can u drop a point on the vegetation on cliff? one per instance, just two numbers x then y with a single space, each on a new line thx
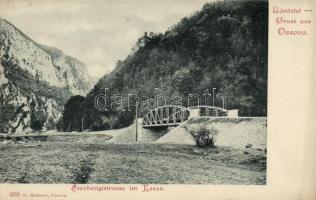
223 46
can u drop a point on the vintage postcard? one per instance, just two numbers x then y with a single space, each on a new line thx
180 99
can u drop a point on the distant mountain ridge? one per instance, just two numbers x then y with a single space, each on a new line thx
35 81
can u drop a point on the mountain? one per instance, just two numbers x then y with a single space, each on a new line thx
222 46
35 81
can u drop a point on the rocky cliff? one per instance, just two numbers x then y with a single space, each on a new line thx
35 82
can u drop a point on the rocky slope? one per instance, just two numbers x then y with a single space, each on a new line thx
35 82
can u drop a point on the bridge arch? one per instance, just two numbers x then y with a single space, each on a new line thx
172 115
169 115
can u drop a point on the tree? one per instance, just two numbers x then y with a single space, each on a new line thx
38 118
73 114
6 112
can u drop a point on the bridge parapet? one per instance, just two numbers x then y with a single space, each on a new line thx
171 115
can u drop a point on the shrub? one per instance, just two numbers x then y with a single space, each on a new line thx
205 137
38 119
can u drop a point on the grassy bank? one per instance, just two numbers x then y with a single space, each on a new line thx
89 159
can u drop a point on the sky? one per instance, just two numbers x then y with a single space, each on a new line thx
96 32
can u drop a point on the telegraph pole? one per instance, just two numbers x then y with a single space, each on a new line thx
81 124
213 99
68 128
136 121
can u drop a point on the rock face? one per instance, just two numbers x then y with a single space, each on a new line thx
35 82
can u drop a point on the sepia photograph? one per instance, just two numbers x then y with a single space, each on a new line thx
134 92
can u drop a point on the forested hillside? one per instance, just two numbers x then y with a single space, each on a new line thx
223 46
